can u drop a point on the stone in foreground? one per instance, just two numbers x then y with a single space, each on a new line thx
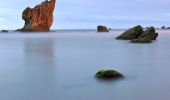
132 33
39 18
101 28
108 74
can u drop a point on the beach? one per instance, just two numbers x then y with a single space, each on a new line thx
62 65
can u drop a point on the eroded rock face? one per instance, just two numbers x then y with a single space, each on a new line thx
101 28
131 33
39 18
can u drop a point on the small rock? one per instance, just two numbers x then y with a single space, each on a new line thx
101 28
108 74
18 30
5 31
110 29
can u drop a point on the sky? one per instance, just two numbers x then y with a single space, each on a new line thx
87 14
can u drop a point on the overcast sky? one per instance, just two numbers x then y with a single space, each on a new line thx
85 14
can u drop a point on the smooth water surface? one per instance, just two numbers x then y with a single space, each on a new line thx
62 67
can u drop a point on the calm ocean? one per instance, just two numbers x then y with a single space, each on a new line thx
61 66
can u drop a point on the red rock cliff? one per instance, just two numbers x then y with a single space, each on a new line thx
39 18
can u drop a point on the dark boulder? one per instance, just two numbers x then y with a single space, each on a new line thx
137 35
108 74
149 33
4 31
132 33
146 37
101 28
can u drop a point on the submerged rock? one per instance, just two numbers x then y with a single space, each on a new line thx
39 18
108 74
132 33
101 28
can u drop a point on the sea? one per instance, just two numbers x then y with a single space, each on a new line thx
60 65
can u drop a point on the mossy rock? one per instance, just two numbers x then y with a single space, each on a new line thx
108 74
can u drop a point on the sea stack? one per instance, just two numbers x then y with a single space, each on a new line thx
39 18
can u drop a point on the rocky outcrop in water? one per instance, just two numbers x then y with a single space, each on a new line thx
131 33
137 35
39 18
147 36
101 28
108 74
4 31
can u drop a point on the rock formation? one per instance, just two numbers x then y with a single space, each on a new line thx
137 35
132 33
147 36
101 28
108 74
39 18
